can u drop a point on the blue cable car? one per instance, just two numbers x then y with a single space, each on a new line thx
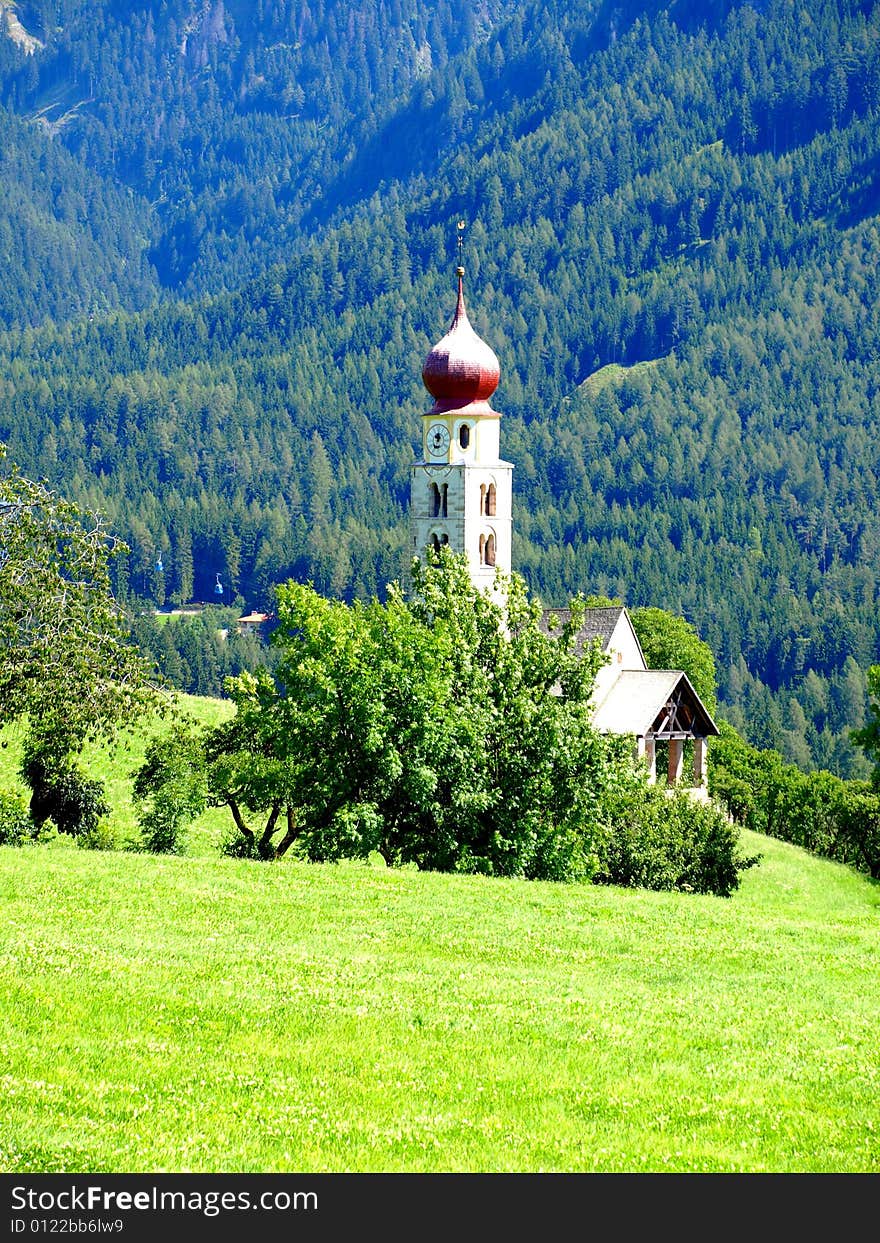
218 589
159 566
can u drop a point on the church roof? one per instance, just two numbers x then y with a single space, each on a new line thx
461 369
598 623
658 701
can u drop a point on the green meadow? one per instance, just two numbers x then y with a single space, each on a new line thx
208 1014
115 764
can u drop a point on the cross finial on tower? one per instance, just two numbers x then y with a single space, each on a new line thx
461 248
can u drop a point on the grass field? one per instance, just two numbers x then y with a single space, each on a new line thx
205 1014
114 766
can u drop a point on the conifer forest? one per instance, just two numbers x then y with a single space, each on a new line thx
229 239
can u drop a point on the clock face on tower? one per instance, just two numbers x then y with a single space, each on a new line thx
438 440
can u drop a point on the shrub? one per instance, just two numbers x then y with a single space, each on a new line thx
858 820
735 796
61 793
169 789
818 811
98 836
669 841
16 825
236 846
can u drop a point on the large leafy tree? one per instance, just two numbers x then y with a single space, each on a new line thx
65 658
670 642
539 776
438 730
253 768
445 730
66 665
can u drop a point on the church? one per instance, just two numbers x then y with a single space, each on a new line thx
461 496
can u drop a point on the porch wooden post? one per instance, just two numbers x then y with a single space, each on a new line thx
676 758
650 752
700 757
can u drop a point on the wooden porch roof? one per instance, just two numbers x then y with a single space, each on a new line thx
658 703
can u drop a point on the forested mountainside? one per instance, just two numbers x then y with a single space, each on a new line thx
672 245
229 120
71 242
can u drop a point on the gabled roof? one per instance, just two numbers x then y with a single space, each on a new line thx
598 623
637 703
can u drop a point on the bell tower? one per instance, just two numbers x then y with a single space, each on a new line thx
461 490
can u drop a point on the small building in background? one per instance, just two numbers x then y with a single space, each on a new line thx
253 623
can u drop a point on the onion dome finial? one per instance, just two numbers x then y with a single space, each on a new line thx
461 368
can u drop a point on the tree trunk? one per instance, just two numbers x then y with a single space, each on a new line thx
290 836
265 847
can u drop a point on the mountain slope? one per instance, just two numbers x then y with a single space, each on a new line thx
229 120
642 184
71 242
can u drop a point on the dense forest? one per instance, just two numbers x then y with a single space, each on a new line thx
229 243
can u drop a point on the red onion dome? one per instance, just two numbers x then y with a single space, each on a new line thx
461 368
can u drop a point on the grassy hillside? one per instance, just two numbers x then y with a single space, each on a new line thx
202 1014
116 764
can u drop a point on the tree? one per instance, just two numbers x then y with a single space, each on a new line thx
433 730
868 738
858 823
61 792
670 642
536 783
446 731
65 660
254 768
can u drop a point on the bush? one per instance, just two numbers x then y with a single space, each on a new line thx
16 825
735 796
818 811
169 789
98 836
236 846
858 820
663 841
61 793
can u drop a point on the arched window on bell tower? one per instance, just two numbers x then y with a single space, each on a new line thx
464 435
444 504
490 550
482 498
434 493
482 550
491 501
